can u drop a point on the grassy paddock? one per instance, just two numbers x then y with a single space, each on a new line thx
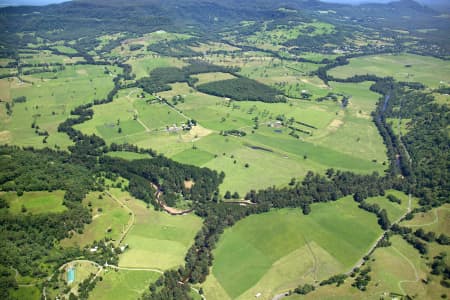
36 202
107 214
403 67
157 239
123 284
394 210
50 98
128 155
263 252
26 292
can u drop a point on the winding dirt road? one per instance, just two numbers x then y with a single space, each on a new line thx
371 249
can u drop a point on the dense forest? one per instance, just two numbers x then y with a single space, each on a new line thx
242 89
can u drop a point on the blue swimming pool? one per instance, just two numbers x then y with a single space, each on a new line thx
70 275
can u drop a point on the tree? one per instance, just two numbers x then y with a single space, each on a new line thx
305 289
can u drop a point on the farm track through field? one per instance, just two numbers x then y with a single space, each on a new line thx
136 269
315 260
22 284
132 214
136 112
436 219
370 251
412 266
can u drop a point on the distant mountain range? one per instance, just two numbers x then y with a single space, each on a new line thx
430 3
436 4
29 2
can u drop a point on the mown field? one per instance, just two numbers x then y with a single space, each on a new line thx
35 202
109 219
330 145
157 240
394 210
403 67
399 268
123 284
49 99
276 251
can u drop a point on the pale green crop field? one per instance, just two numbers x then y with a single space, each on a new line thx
157 239
275 251
398 268
427 70
36 202
123 284
283 33
65 49
109 219
49 102
128 155
143 66
394 210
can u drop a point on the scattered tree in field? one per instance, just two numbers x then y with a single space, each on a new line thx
304 289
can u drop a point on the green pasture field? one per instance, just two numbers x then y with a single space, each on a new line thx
356 146
427 70
123 284
352 131
153 118
5 61
49 102
157 239
394 210
436 220
26 292
393 271
400 127
65 49
398 268
128 155
345 138
210 77
46 57
317 56
194 157
106 214
212 47
284 33
145 40
290 77
275 251
5 91
36 202
105 39
143 66
8 71
443 99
